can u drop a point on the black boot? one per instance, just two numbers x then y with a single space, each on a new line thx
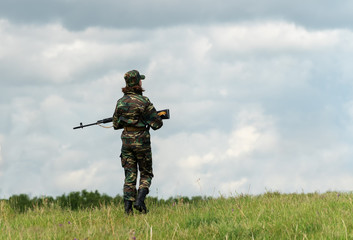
140 201
128 207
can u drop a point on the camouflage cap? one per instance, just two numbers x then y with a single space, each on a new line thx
133 78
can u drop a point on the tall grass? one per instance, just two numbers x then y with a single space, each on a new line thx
268 216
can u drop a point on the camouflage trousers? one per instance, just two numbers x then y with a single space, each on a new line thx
136 156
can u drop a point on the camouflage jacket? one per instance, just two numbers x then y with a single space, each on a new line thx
135 110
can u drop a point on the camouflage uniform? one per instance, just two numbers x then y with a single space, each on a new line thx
136 114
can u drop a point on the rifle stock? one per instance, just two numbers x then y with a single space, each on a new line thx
164 114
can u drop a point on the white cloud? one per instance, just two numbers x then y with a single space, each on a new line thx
157 14
242 141
1 161
253 157
230 188
212 160
253 105
271 36
92 177
51 53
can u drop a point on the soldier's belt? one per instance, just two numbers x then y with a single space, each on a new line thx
134 129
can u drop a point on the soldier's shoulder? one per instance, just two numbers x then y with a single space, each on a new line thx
146 99
142 98
121 99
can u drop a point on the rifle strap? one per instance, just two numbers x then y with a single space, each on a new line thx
105 126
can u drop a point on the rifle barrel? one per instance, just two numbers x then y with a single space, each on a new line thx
87 125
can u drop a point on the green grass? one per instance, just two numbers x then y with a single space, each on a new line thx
268 216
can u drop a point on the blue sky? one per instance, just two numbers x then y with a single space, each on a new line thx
260 95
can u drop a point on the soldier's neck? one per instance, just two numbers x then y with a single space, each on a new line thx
135 92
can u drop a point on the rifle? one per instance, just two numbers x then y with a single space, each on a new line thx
164 114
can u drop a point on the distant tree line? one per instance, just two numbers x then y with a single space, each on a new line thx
85 200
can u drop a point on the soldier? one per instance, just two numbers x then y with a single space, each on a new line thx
136 114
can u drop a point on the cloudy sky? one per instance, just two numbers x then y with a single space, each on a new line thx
260 94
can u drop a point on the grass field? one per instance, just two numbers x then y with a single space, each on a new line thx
268 216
